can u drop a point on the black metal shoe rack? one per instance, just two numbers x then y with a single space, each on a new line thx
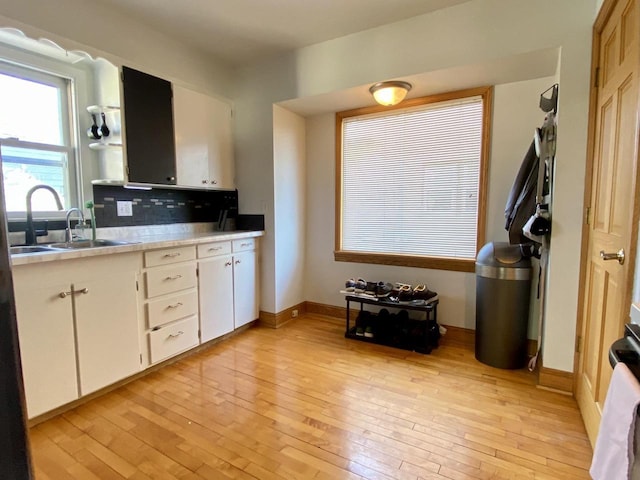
395 330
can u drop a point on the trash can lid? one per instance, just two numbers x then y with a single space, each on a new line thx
503 260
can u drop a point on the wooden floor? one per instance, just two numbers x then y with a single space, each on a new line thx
303 402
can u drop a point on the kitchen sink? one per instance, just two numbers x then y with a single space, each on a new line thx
22 249
79 244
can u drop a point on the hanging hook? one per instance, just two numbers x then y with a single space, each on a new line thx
548 104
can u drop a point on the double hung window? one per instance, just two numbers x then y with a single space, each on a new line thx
411 181
35 137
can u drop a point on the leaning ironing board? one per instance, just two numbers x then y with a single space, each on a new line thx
539 226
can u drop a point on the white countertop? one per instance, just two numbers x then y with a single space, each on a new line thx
144 242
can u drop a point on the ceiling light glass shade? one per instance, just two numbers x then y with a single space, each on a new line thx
390 93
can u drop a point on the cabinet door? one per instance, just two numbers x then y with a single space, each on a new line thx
107 329
216 297
148 125
221 163
47 344
204 146
245 287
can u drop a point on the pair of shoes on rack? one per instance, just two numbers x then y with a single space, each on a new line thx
378 290
404 292
355 286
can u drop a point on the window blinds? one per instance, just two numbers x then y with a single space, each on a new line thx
410 180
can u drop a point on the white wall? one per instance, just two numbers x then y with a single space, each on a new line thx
481 31
515 116
289 200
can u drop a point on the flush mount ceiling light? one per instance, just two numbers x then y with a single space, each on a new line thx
390 93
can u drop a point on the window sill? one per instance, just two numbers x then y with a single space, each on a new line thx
435 263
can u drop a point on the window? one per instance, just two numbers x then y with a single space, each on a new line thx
35 137
411 181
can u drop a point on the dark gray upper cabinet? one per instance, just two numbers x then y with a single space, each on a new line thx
148 120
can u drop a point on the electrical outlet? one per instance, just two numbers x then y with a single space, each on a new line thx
294 313
125 209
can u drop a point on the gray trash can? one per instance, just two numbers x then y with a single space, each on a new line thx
503 284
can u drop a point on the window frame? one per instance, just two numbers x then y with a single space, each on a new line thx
422 261
77 81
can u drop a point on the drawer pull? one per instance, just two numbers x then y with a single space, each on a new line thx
215 249
245 245
171 255
237 262
175 305
175 277
64 294
174 335
227 264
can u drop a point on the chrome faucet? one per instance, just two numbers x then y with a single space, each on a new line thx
30 232
68 237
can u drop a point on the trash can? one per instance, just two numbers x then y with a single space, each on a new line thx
503 284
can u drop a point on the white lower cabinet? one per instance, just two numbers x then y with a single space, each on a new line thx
84 324
245 287
171 302
216 296
107 329
77 326
228 286
47 343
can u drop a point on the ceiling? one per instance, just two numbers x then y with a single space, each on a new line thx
241 31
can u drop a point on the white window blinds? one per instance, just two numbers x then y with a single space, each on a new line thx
410 180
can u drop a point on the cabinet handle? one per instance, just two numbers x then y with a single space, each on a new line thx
175 305
175 335
237 262
214 182
175 277
245 245
227 264
75 292
171 179
215 249
171 255
204 182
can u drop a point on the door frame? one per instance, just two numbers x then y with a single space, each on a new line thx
603 15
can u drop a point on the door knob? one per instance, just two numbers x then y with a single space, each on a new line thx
619 255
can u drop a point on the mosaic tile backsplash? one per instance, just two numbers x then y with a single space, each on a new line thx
162 206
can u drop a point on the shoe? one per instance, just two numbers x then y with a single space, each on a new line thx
359 331
421 292
406 293
383 289
361 285
368 332
370 288
350 285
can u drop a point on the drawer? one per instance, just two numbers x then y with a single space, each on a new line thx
213 249
173 339
169 255
170 279
168 309
244 244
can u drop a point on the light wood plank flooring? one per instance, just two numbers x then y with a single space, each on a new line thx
303 402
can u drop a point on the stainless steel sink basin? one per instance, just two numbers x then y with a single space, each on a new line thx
29 249
89 244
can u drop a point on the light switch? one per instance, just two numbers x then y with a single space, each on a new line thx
125 208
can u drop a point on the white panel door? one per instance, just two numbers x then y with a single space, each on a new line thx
47 343
245 287
216 297
107 328
204 143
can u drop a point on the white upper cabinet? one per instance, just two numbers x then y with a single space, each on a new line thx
204 143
